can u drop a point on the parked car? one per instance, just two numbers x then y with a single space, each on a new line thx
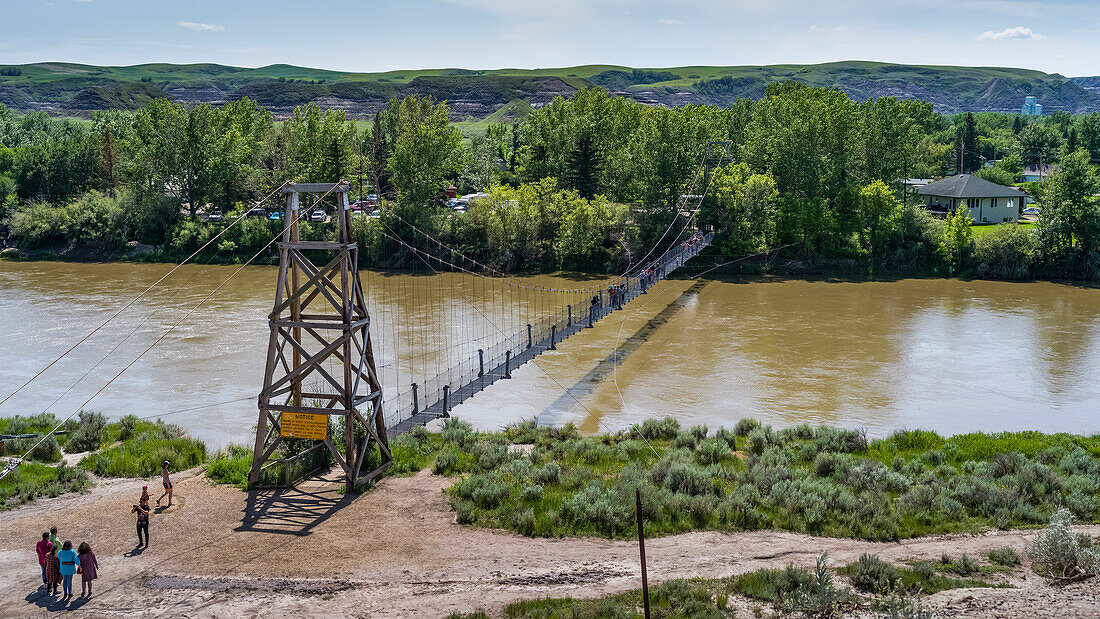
1031 210
256 212
318 216
275 216
216 216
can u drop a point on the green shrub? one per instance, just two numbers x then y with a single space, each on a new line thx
873 575
446 461
532 493
31 480
231 466
686 440
88 435
141 456
548 474
660 429
1005 556
525 522
45 450
745 426
1060 552
126 426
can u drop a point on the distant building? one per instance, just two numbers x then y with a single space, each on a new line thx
1036 172
1031 108
987 202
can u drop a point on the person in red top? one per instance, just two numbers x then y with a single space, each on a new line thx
43 548
53 571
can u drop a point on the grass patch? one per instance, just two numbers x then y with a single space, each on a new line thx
816 480
31 480
141 454
873 575
231 466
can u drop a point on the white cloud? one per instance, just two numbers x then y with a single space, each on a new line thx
670 22
197 27
840 28
1019 32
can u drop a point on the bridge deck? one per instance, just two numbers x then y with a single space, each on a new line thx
435 407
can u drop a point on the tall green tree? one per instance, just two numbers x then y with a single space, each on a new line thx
1039 143
1069 225
107 161
426 150
583 166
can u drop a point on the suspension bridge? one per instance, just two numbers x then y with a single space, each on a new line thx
473 329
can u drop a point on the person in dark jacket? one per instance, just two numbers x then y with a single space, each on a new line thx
142 511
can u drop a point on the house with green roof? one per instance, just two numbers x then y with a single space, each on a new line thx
988 203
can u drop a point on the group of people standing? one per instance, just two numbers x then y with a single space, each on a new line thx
60 563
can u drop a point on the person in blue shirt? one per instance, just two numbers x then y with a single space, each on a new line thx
69 562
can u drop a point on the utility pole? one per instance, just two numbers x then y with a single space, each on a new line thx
641 550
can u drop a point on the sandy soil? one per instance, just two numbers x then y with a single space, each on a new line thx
397 552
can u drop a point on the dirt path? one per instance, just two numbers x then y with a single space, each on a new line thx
396 552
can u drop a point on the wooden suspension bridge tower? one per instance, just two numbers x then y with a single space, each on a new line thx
320 323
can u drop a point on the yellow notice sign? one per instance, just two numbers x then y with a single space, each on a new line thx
304 425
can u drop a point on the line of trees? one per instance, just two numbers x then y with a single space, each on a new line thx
813 178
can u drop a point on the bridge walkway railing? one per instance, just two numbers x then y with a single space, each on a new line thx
437 396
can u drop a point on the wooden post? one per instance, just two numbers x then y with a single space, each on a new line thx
641 551
416 403
446 400
507 364
569 321
480 362
529 343
553 334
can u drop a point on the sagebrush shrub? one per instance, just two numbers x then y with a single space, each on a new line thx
446 462
1059 552
88 435
687 478
873 575
660 429
1005 556
532 493
548 474
745 426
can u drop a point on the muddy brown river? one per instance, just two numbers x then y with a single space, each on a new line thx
948 355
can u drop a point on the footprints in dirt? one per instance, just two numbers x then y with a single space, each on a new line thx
178 503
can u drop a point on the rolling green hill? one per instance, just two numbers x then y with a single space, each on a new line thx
65 88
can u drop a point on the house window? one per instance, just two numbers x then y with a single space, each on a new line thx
993 203
1009 204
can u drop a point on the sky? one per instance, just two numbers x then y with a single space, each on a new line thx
1056 36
